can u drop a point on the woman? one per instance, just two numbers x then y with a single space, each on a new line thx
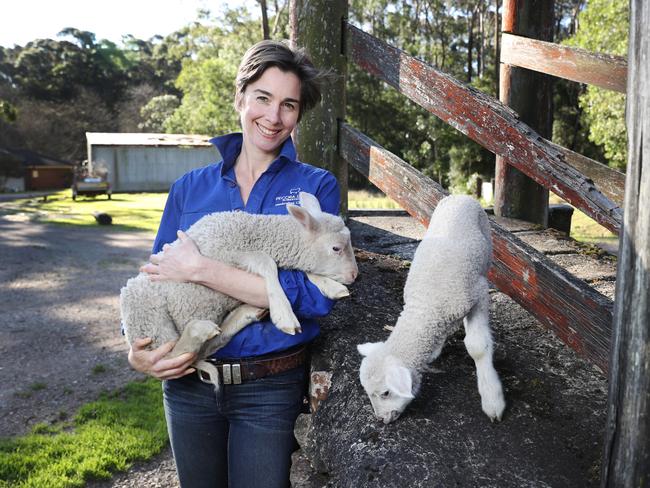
242 436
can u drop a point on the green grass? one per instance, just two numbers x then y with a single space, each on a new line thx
583 228
105 436
130 211
363 199
142 211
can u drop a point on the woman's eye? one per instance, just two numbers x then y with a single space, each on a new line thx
262 99
290 106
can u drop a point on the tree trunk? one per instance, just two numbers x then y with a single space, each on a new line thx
265 19
317 26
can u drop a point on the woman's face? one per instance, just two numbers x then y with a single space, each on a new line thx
269 110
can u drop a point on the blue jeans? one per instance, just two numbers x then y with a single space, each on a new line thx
241 437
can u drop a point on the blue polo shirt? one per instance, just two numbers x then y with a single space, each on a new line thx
214 189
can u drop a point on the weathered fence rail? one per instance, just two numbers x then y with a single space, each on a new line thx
603 70
484 120
578 314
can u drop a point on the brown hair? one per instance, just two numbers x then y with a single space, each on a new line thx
266 54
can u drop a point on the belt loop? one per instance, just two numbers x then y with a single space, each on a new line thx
227 378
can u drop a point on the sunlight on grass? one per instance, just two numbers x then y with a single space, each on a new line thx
106 436
130 211
583 228
364 199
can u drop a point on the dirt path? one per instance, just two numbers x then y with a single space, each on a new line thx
60 344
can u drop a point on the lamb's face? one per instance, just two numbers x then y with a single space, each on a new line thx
329 244
333 246
387 382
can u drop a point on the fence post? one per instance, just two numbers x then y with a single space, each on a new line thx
318 27
626 461
529 94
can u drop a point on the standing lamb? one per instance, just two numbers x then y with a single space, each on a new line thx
447 282
306 239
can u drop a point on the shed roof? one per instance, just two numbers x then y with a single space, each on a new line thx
145 139
26 157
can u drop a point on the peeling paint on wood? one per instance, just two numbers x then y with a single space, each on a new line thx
575 312
603 70
484 120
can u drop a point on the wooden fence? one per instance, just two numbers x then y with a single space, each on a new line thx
578 314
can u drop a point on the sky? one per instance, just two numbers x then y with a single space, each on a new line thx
22 21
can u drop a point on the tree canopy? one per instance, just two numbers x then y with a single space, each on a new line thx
54 90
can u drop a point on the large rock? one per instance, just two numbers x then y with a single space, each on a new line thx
551 433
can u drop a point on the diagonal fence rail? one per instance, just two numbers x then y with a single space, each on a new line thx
484 120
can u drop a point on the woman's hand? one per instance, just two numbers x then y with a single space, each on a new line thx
153 364
180 262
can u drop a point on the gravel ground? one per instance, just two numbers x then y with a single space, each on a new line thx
59 337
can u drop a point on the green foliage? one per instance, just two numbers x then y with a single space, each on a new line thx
7 111
207 79
105 436
156 113
603 27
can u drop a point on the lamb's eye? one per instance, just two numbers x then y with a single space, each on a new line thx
336 249
385 394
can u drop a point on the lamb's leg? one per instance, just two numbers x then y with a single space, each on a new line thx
195 334
329 287
262 264
235 321
478 341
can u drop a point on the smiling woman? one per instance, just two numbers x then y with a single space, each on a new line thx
242 436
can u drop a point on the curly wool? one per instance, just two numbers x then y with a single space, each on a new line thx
160 310
435 300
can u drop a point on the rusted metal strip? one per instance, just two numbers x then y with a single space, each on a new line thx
575 312
485 120
603 70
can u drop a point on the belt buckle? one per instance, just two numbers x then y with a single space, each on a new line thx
231 374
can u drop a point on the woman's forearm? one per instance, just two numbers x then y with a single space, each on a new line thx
242 285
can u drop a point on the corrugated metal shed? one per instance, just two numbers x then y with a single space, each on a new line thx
147 162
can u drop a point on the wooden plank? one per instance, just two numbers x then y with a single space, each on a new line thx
603 70
626 462
575 312
483 119
608 180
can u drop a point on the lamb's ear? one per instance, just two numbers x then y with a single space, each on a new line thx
304 217
310 203
368 347
399 381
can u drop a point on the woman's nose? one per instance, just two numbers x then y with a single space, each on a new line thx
273 114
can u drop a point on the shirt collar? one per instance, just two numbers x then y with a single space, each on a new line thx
229 147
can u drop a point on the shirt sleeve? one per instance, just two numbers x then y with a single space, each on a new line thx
306 299
170 220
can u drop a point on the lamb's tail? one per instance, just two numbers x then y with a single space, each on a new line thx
208 373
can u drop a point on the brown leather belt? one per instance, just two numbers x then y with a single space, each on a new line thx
234 371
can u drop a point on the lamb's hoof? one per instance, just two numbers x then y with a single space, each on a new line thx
286 322
494 408
203 329
341 293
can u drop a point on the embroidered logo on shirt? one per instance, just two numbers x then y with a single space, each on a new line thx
292 198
